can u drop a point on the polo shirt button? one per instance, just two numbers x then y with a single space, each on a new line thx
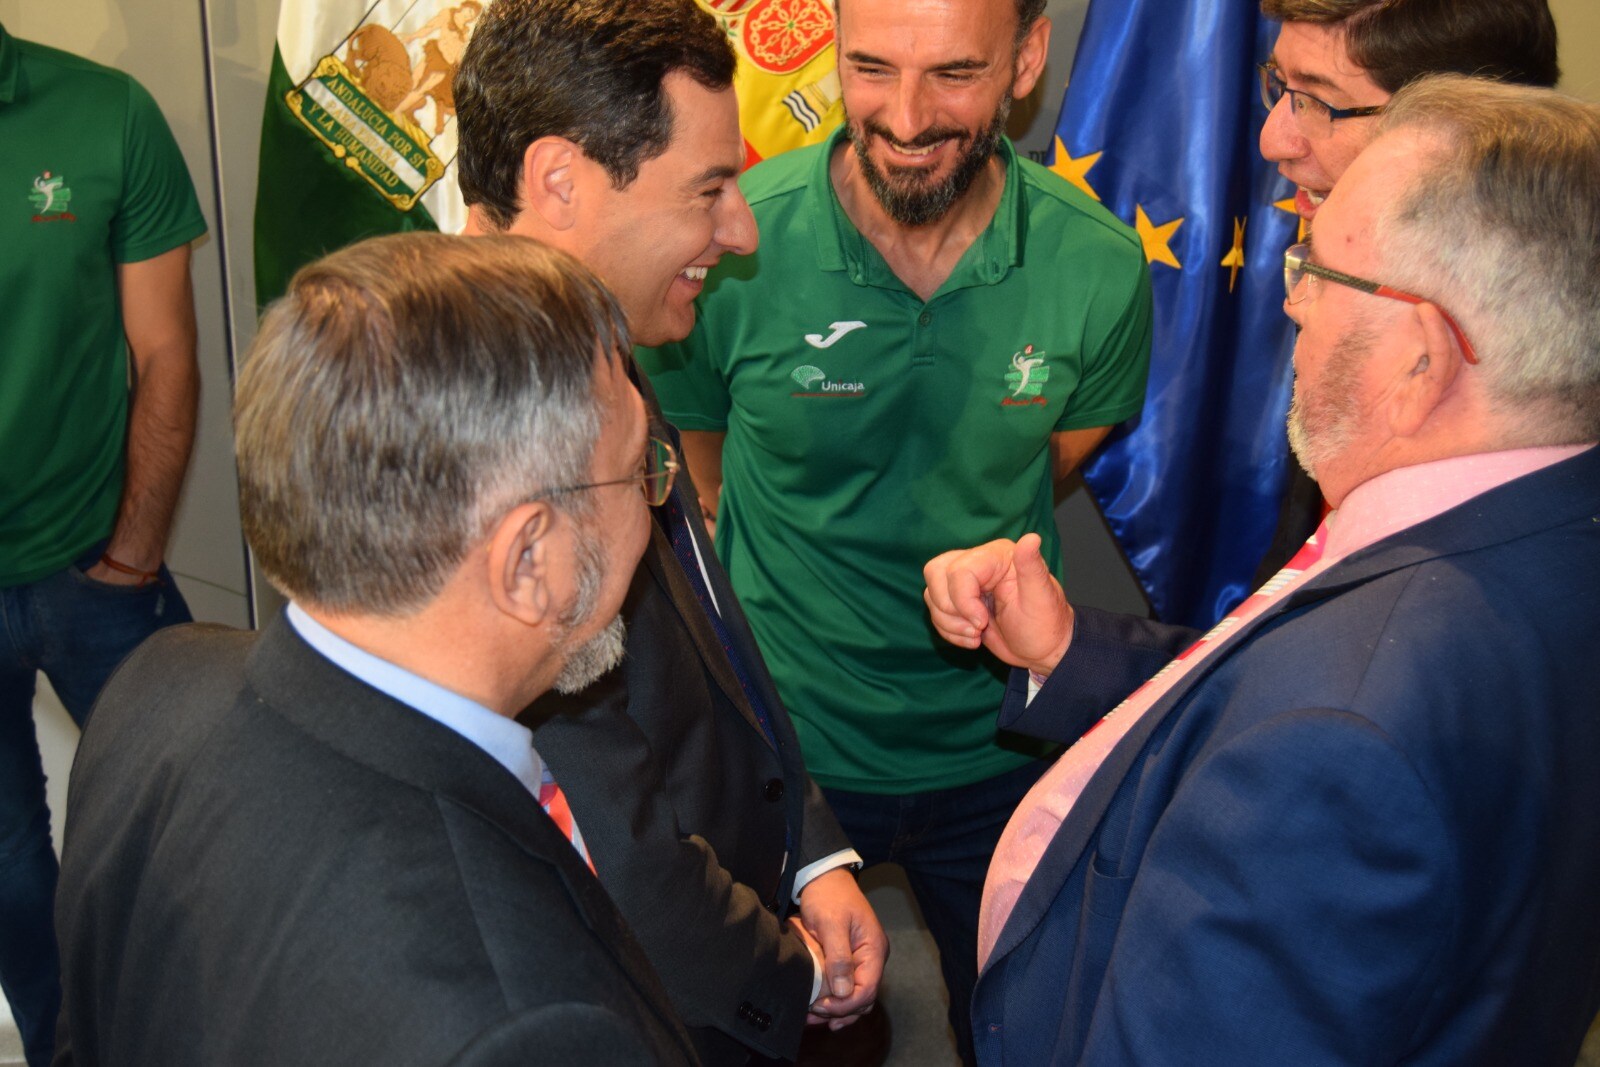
774 790
924 318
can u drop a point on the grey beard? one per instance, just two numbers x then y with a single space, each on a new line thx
586 663
592 659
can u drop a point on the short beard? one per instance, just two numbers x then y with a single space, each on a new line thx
586 663
906 193
1322 427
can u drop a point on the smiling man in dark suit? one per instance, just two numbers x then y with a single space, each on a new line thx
1356 821
324 843
609 129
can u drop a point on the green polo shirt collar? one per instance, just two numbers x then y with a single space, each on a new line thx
8 67
840 246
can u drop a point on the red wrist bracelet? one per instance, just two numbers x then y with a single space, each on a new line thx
123 568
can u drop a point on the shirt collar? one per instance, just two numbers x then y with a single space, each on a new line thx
508 742
840 246
1399 499
8 66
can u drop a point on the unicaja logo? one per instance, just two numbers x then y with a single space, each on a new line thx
814 382
807 376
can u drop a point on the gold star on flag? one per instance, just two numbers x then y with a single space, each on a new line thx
1075 171
1235 257
1157 239
1288 205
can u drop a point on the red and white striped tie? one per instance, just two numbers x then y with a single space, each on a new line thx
554 803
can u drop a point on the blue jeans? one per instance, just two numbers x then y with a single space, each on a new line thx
944 840
76 631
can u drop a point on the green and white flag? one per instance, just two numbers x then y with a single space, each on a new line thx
359 134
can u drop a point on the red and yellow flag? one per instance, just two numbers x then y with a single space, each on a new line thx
787 82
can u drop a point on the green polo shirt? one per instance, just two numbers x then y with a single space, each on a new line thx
868 431
90 177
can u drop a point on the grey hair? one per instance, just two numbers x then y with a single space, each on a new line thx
1501 225
401 397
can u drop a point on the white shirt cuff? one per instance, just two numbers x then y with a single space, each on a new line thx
845 857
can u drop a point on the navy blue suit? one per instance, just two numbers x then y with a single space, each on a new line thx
1366 831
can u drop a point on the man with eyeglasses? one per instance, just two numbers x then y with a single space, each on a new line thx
1334 66
609 129
323 843
1355 822
1336 63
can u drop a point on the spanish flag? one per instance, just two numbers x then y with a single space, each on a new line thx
787 81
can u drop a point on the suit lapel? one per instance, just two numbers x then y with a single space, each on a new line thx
377 731
1556 495
1065 850
662 563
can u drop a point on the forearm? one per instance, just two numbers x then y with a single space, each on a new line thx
161 424
158 319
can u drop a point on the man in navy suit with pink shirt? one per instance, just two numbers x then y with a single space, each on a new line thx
1355 822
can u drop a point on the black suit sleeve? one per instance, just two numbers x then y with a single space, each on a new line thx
726 961
820 835
559 1035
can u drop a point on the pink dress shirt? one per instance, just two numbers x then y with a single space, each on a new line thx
1376 509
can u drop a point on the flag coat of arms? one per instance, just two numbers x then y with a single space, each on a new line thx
787 79
358 134
1160 122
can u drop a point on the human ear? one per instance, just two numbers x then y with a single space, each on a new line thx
1430 376
520 553
1031 58
548 187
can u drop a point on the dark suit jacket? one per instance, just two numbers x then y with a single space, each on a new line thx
269 862
687 807
1365 832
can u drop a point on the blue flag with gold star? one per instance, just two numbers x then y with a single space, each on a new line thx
1160 123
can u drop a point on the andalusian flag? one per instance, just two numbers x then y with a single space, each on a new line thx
359 131
1160 121
787 82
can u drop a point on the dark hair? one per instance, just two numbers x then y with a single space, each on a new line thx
587 70
1399 41
1028 12
403 395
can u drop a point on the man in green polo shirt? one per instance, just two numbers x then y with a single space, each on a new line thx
98 383
931 335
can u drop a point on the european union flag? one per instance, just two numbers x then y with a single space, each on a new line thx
1160 121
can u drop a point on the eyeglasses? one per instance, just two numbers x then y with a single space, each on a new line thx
660 468
1296 269
1315 118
